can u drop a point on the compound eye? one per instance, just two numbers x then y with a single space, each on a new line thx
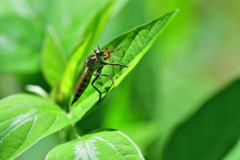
97 51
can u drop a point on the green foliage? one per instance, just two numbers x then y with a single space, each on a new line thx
29 118
101 145
67 81
135 43
17 47
171 104
97 23
53 60
91 34
22 35
24 120
211 132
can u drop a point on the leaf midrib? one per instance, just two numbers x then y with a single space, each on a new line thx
35 114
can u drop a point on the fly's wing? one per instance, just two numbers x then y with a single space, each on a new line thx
80 80
115 57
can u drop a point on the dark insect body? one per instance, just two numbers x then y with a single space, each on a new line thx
94 62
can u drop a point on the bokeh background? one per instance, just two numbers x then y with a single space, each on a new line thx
196 56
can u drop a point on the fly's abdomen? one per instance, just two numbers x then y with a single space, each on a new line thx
82 84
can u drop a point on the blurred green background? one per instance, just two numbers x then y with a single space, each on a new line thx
196 56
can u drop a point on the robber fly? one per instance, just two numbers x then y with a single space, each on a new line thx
94 62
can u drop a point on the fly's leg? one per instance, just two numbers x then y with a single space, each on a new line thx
105 75
117 64
96 88
98 74
115 50
109 53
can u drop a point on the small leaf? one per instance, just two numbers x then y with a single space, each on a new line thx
25 119
67 83
91 32
53 60
118 6
68 18
97 23
135 44
101 145
211 132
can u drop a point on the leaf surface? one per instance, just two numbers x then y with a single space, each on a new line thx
91 34
101 145
211 132
67 82
70 17
97 23
25 119
53 60
20 42
135 44
22 28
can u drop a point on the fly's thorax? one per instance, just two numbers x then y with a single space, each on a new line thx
94 62
91 60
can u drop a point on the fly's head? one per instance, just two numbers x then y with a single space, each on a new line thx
99 52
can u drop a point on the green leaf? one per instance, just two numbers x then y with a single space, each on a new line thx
91 32
97 23
101 145
53 60
234 153
68 18
25 119
211 132
118 6
67 83
20 43
21 29
135 44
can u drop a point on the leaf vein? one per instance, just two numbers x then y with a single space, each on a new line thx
108 143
